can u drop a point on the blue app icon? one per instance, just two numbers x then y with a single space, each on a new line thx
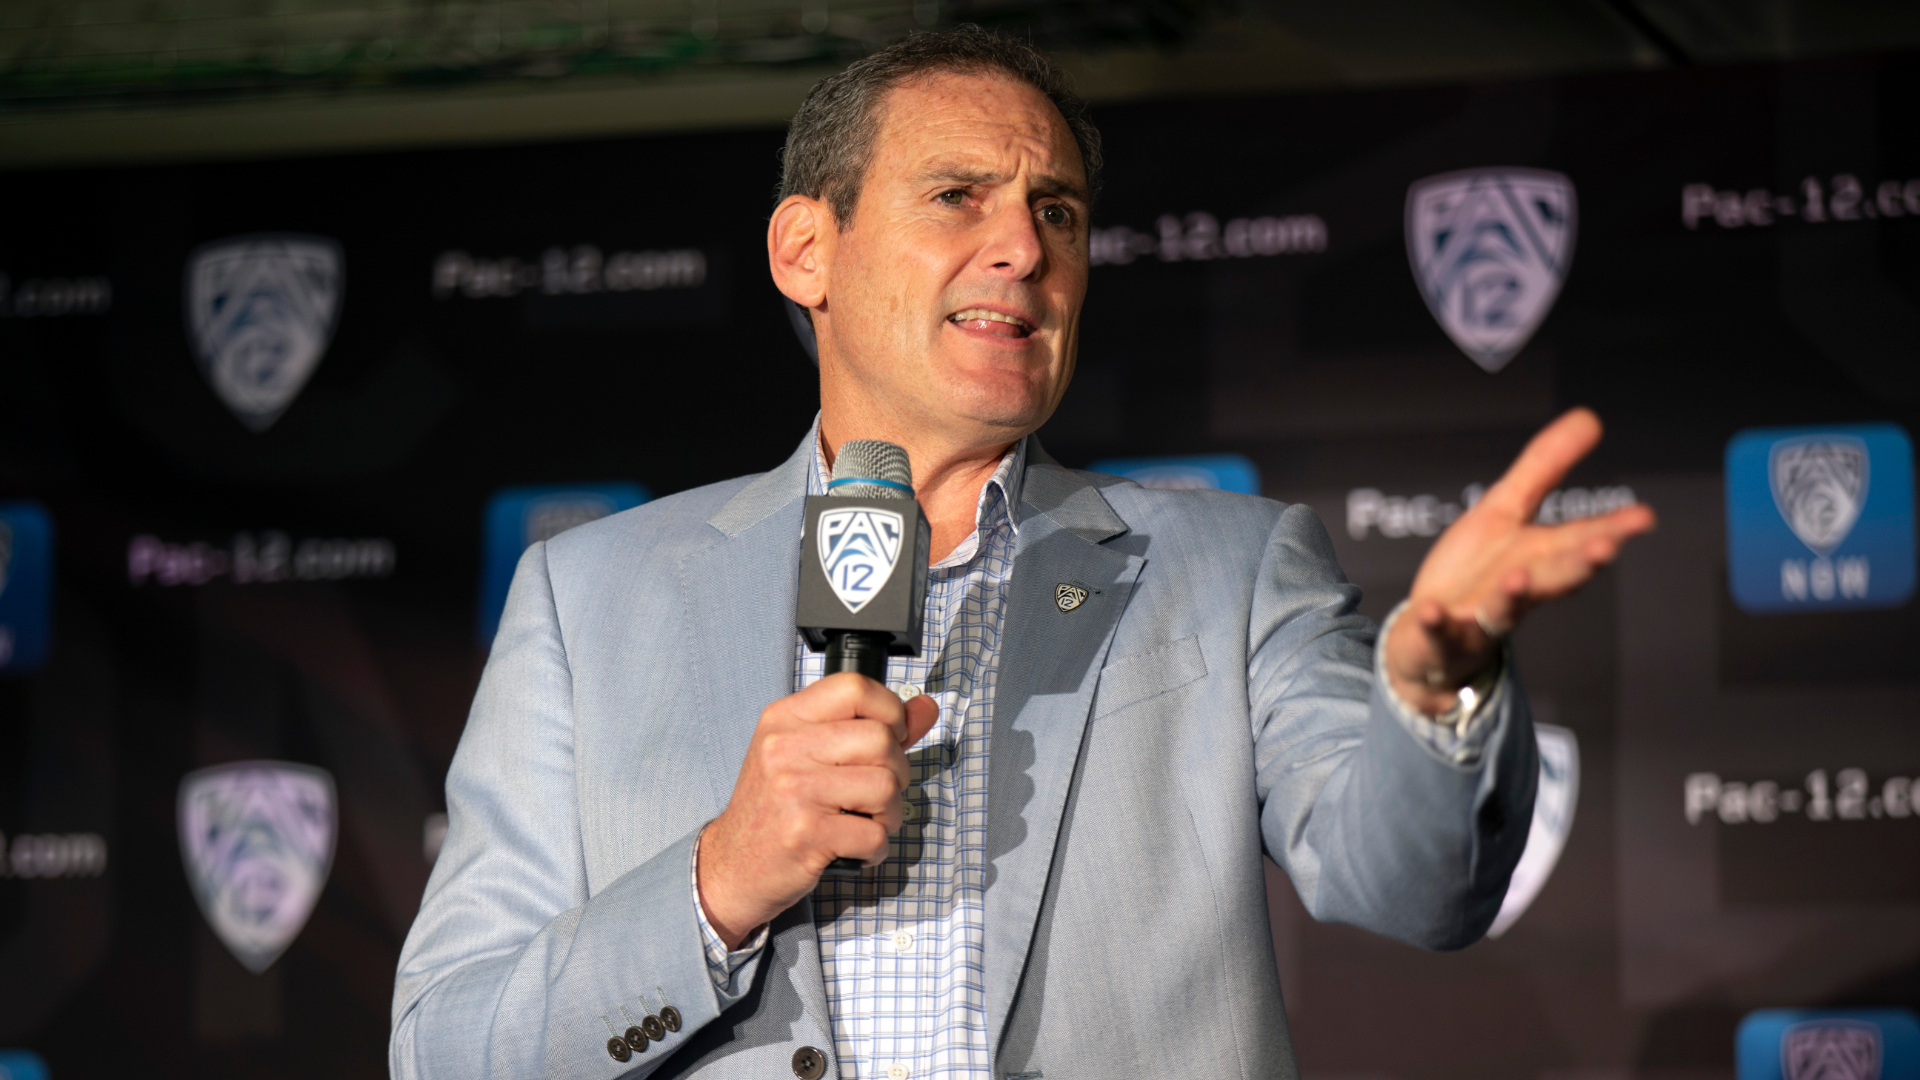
1820 518
518 517
1827 1044
22 1065
1214 472
26 585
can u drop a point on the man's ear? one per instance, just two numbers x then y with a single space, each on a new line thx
799 248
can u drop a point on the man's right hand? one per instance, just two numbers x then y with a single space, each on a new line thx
840 744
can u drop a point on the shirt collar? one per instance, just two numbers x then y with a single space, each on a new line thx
1000 495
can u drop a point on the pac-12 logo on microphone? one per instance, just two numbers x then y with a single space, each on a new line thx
1490 249
858 550
261 311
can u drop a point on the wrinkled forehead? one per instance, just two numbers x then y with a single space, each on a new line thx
982 115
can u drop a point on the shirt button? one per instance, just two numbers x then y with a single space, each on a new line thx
902 941
907 812
898 1071
907 691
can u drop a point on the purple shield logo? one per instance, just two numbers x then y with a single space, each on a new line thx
257 840
1832 1049
1490 249
261 310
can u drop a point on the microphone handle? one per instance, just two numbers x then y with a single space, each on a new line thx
866 653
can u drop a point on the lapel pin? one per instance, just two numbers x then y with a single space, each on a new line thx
1068 596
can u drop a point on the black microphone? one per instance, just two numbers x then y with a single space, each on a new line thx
863 567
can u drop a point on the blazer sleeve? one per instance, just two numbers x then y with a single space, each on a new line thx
513 967
1374 827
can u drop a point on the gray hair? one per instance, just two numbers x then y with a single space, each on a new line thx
830 141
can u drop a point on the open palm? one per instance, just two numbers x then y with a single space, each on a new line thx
1493 565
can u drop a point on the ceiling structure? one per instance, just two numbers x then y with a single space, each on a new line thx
107 80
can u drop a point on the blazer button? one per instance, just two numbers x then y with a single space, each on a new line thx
636 1040
670 1016
617 1049
809 1064
654 1028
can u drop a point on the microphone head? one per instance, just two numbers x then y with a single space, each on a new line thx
883 464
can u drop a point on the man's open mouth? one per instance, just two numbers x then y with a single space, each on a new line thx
992 322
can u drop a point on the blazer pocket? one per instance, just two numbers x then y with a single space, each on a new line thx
1131 680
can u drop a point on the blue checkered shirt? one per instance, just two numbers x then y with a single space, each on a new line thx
901 944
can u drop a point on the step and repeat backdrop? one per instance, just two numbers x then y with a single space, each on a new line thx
272 435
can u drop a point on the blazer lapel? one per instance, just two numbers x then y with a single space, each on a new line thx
739 593
1050 661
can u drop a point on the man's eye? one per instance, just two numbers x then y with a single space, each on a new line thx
1055 214
953 198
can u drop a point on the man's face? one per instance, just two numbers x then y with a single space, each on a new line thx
953 300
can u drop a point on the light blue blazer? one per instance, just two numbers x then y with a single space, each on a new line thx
1214 699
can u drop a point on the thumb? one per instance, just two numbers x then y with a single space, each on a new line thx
922 713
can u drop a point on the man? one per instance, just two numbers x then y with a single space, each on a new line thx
1061 808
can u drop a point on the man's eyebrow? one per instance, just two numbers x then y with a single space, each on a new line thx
961 175
1060 187
949 173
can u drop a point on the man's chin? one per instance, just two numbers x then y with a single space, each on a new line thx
1002 415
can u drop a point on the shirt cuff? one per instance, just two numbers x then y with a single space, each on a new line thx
1460 734
724 966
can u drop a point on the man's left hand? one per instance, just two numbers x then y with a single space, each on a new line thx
1493 565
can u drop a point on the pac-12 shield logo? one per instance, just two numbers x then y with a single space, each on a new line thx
261 310
1833 1049
1827 1044
858 550
1490 249
1819 483
257 839
1820 518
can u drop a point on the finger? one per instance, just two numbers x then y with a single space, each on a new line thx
870 790
1544 463
849 742
922 713
1441 645
845 695
1562 571
1628 521
1429 615
1571 563
1572 553
849 836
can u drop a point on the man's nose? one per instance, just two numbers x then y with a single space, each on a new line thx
1012 247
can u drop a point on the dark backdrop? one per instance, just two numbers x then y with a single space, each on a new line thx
1324 367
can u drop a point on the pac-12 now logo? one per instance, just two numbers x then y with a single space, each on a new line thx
261 311
1827 1044
858 550
1490 249
1194 472
26 585
519 517
1820 518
